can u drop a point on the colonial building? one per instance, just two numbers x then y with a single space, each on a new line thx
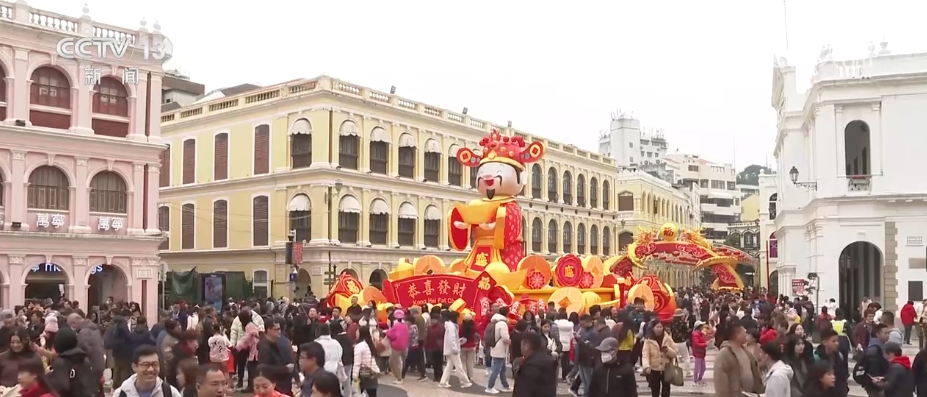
850 210
363 178
720 200
79 161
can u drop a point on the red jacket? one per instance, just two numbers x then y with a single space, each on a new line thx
908 314
699 344
434 339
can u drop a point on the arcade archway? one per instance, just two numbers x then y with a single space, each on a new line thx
774 283
107 281
376 278
351 272
46 281
303 284
860 268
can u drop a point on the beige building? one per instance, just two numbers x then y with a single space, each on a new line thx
363 178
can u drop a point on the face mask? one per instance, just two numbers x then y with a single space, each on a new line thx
607 357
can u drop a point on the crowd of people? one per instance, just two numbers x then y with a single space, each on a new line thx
275 348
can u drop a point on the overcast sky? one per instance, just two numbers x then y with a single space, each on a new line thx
701 70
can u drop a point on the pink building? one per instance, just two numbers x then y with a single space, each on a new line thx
80 150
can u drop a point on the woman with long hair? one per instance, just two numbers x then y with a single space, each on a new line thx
248 345
186 378
365 369
184 350
470 336
20 350
31 379
799 331
795 358
658 352
264 384
821 381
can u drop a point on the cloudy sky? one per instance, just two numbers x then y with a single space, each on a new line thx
701 71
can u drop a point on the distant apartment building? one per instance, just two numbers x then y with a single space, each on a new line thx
720 200
634 147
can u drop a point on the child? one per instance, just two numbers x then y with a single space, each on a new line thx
699 351
219 347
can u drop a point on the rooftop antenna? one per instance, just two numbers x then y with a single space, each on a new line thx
785 21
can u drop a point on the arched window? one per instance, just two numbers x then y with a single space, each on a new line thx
108 193
432 160
111 97
606 193
164 223
856 152
406 223
552 185
379 151
261 149
581 190
625 201
594 240
567 237
536 180
594 193
472 172
50 87
624 239
220 161
432 226
606 241
2 91
454 168
379 222
220 224
407 152
301 144
349 210
773 202
567 189
348 145
552 236
581 239
300 213
260 212
537 235
188 226
49 189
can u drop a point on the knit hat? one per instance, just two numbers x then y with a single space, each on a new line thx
399 315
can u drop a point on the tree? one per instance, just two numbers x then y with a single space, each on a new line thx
751 174
732 240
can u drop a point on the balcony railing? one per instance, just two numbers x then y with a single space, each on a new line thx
859 183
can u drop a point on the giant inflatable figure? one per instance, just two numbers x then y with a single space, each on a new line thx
495 219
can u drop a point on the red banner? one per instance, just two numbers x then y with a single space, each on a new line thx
441 289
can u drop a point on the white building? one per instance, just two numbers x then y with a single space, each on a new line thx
633 147
720 197
851 209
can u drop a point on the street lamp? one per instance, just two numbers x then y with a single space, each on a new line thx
793 175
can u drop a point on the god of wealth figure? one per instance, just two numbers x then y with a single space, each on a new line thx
495 220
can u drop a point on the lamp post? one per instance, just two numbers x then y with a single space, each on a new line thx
333 191
793 175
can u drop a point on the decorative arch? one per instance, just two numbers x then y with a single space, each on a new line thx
31 261
38 63
857 151
378 204
129 89
351 272
5 170
537 179
566 184
57 164
117 264
302 125
348 128
130 187
6 62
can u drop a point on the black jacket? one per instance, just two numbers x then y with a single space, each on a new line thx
536 377
613 380
841 371
919 368
270 356
899 380
347 348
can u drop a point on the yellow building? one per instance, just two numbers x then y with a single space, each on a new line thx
750 208
364 178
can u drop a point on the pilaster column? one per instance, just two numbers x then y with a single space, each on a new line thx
154 172
420 226
134 122
9 83
393 237
16 207
19 100
154 99
134 223
78 286
80 210
81 101
17 284
419 173
442 233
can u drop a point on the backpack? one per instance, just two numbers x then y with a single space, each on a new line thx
81 380
165 390
489 334
861 373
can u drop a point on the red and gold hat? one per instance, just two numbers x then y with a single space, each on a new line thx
496 148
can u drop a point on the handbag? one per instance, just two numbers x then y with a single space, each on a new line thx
672 374
367 379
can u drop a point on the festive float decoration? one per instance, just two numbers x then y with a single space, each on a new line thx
497 271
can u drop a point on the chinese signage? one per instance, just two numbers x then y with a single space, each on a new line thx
799 287
436 289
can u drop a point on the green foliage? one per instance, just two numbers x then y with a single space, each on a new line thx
732 240
751 174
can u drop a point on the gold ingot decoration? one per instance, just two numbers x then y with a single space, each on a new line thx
478 212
